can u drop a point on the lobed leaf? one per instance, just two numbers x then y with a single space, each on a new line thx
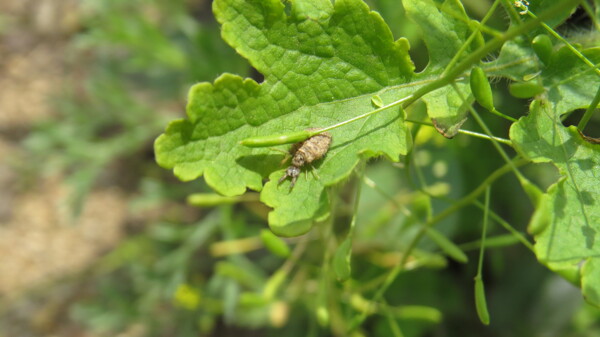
322 64
570 83
567 222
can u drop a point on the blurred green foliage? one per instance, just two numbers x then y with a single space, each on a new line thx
133 63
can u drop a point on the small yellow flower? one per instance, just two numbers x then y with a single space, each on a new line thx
187 297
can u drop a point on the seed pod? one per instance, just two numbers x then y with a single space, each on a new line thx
211 199
480 86
525 89
341 260
480 302
274 243
533 192
276 140
322 316
542 46
447 246
541 217
274 284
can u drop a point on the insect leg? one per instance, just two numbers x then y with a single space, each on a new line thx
294 178
313 170
285 175
286 153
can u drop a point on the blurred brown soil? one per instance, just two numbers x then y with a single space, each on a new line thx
41 243
33 35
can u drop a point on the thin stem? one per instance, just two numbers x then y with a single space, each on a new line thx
492 45
396 331
468 199
480 301
458 15
296 254
503 240
360 171
484 231
467 43
449 76
590 13
508 227
569 45
467 132
500 114
518 235
390 198
393 274
511 10
589 112
348 121
485 128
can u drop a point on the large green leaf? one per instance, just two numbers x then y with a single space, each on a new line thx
516 59
570 83
567 222
322 64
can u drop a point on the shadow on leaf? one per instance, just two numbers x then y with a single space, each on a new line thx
263 164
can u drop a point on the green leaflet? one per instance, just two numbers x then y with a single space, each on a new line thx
567 219
444 32
322 64
542 45
569 239
570 83
516 59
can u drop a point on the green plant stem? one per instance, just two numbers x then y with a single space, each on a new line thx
296 254
360 172
496 217
518 235
507 226
483 232
590 13
511 10
467 132
485 128
468 199
396 331
450 75
480 301
503 240
501 115
484 29
324 287
391 105
492 45
569 45
590 111
467 43
390 198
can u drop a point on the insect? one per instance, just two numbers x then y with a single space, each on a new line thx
305 152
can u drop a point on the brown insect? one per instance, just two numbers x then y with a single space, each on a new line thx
305 152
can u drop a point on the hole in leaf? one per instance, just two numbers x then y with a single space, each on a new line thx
288 7
579 20
256 75
572 118
419 55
